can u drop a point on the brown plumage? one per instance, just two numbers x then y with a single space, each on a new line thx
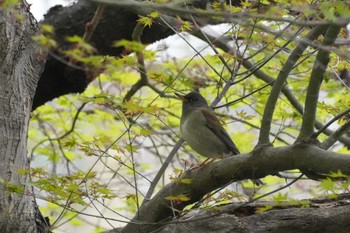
203 131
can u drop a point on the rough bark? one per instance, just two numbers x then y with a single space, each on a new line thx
322 215
329 216
21 64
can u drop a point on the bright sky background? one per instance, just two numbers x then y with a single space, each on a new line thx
40 7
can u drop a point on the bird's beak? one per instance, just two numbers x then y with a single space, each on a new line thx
181 97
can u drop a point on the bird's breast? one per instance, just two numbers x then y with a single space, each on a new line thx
200 138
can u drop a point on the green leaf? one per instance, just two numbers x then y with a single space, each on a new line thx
328 184
181 197
279 198
264 209
154 14
145 21
130 45
46 28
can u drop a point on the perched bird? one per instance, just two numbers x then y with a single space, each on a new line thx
202 130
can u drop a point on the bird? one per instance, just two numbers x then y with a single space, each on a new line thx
203 131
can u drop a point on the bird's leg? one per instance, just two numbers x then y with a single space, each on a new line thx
203 164
206 162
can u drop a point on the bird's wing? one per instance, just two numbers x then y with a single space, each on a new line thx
215 126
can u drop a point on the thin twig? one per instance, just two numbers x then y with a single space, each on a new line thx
75 119
165 21
143 81
91 26
326 144
338 116
245 96
161 171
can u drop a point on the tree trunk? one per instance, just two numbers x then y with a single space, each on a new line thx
21 62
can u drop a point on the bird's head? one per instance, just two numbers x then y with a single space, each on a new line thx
192 100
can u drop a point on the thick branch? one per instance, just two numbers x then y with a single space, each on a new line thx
322 216
267 161
294 101
280 82
317 75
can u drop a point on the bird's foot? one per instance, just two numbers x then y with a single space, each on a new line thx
203 164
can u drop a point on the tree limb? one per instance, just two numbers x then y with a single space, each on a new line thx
317 75
266 161
280 82
328 215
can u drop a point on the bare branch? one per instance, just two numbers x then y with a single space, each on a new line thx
143 81
317 75
337 117
161 171
335 136
91 26
280 82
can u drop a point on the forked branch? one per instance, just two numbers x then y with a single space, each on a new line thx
280 83
317 76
